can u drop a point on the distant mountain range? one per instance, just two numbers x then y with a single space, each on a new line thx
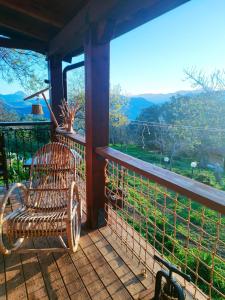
15 102
137 103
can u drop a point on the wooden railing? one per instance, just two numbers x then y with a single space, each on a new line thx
79 139
24 124
155 211
202 193
21 141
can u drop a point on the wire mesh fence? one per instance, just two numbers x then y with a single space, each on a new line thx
150 219
79 152
21 141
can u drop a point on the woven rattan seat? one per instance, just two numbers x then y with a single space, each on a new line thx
50 206
31 224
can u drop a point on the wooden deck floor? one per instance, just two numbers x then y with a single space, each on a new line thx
100 269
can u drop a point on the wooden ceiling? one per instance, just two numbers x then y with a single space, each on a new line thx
36 21
31 17
58 26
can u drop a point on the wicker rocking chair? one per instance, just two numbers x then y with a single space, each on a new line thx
50 206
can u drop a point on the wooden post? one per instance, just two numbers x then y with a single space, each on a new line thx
56 84
97 122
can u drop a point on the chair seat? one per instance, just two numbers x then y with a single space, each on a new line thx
29 223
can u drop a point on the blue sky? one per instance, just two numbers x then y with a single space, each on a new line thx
151 58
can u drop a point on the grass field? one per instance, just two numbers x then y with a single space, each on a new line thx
180 166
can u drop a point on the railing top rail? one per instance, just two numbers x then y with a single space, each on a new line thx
202 193
73 136
21 124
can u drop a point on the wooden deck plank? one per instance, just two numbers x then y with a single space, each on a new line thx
96 271
53 280
69 273
130 260
11 273
33 276
124 273
116 287
15 283
88 274
2 278
112 283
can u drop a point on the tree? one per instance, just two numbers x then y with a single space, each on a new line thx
213 88
191 126
188 125
117 119
117 101
6 115
76 94
142 128
28 68
214 82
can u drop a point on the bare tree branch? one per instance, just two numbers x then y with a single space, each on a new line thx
209 83
25 67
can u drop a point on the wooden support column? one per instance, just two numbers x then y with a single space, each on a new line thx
56 84
97 122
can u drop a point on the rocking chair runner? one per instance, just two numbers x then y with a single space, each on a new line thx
50 206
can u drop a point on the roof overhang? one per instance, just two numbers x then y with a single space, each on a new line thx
53 28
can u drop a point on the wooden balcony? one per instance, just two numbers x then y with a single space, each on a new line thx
147 211
100 269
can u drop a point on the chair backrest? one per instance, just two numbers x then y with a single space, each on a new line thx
52 171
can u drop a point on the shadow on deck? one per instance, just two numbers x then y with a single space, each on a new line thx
100 269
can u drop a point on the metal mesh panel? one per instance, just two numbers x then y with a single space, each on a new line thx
21 143
79 152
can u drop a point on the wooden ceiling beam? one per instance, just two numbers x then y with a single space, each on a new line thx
10 33
71 37
35 10
25 25
20 29
126 15
23 44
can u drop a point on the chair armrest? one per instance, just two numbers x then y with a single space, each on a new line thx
4 248
7 197
74 195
